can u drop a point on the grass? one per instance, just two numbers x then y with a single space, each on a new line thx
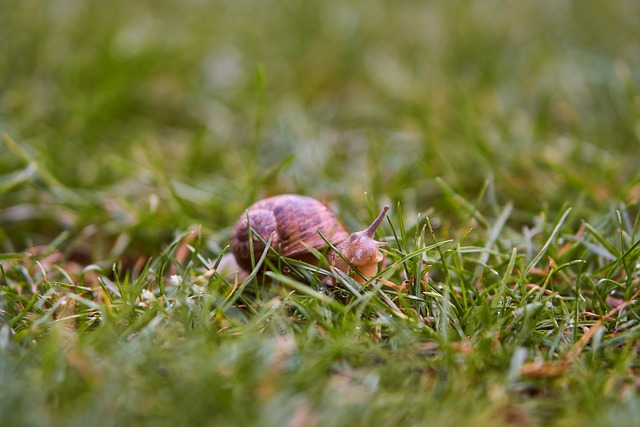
504 136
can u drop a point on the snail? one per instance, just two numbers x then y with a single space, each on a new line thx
295 222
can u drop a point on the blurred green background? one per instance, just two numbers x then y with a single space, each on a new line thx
128 121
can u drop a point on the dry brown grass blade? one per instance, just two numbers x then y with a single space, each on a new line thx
579 346
555 368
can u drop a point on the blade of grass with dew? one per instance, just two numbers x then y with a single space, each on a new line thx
548 242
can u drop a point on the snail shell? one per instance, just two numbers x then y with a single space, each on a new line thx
294 221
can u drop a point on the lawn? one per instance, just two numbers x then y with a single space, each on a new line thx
504 136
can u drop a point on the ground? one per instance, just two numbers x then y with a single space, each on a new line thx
504 136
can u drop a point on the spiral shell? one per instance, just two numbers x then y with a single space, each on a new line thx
293 220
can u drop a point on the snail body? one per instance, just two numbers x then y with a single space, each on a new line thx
293 223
